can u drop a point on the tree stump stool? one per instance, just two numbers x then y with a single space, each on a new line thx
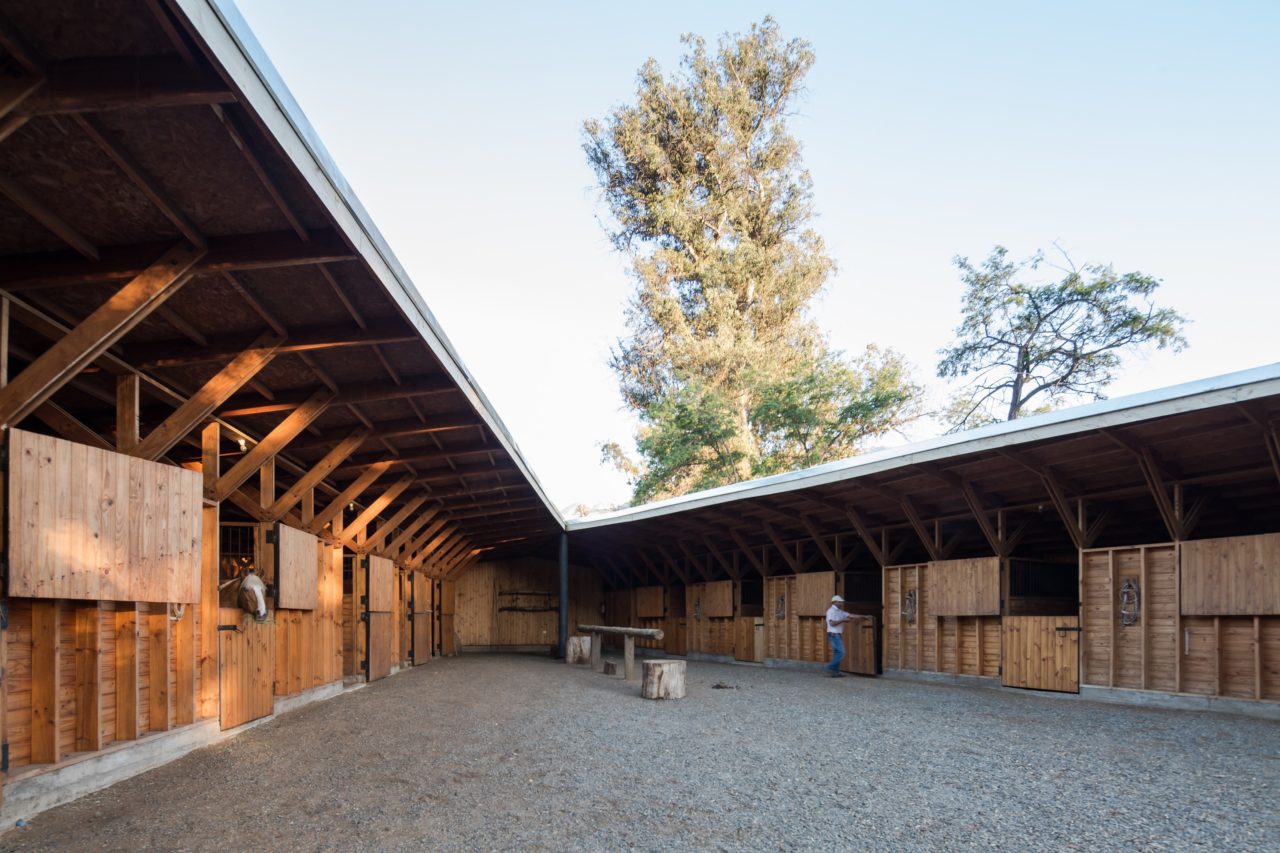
609 667
579 649
662 679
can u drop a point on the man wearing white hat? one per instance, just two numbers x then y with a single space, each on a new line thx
836 617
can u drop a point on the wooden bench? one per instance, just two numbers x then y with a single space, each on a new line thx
628 635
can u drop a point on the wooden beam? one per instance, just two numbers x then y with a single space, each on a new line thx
376 537
112 147
349 494
979 510
373 510
122 82
41 213
437 455
67 426
864 533
210 566
411 529
725 564
238 252
272 443
782 548
128 404
300 340
931 546
368 392
200 406
99 331
748 551
307 482
816 535
397 429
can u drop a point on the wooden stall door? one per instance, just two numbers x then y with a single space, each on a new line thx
380 612
448 596
860 646
423 612
246 665
1041 652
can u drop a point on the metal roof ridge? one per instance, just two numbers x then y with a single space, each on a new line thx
1143 405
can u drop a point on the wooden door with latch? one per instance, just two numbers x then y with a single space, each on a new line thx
1041 652
860 646
421 618
246 667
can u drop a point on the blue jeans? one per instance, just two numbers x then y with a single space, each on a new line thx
837 651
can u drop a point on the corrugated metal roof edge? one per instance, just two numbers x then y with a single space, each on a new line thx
223 28
1191 396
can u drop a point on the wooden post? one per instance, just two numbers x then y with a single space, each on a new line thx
1177 618
88 688
1142 613
184 676
1257 657
596 640
1111 617
44 682
157 634
628 657
126 671
1217 656
210 555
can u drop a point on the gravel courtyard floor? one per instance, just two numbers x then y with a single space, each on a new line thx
519 752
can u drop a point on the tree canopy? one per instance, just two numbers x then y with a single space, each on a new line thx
709 198
1022 344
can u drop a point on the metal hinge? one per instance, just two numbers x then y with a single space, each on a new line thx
228 627
4 605
4 756
364 599
364 617
364 665
271 536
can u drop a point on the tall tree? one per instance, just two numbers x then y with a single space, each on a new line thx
1023 343
727 372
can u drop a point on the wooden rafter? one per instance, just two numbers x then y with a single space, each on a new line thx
747 551
197 408
43 214
96 333
377 537
272 443
864 533
816 535
318 472
375 507
123 82
930 543
782 547
396 429
371 392
269 250
348 495
301 340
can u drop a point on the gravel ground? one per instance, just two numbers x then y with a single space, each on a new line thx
519 752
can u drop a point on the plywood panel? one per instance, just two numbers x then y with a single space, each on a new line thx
1237 576
381 585
297 568
246 661
90 524
813 593
965 587
649 602
717 599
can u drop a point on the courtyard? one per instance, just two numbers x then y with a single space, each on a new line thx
518 751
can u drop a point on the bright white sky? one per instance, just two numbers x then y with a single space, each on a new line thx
1146 135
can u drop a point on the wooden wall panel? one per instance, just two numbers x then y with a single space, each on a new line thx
297 568
649 602
515 602
717 599
965 587
813 593
90 524
423 617
1237 576
381 585
1040 657
788 635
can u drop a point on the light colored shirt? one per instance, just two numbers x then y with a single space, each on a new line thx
835 619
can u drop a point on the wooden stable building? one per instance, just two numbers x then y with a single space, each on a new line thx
244 469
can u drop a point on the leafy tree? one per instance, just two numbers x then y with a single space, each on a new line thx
1037 343
726 370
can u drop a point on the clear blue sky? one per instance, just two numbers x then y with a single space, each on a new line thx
1146 135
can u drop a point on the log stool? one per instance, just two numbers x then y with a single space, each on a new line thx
662 679
579 649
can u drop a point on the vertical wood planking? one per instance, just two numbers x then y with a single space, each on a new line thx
126 621
184 668
157 635
45 664
88 641
210 443
1111 620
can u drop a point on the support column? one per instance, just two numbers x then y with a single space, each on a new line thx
562 639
